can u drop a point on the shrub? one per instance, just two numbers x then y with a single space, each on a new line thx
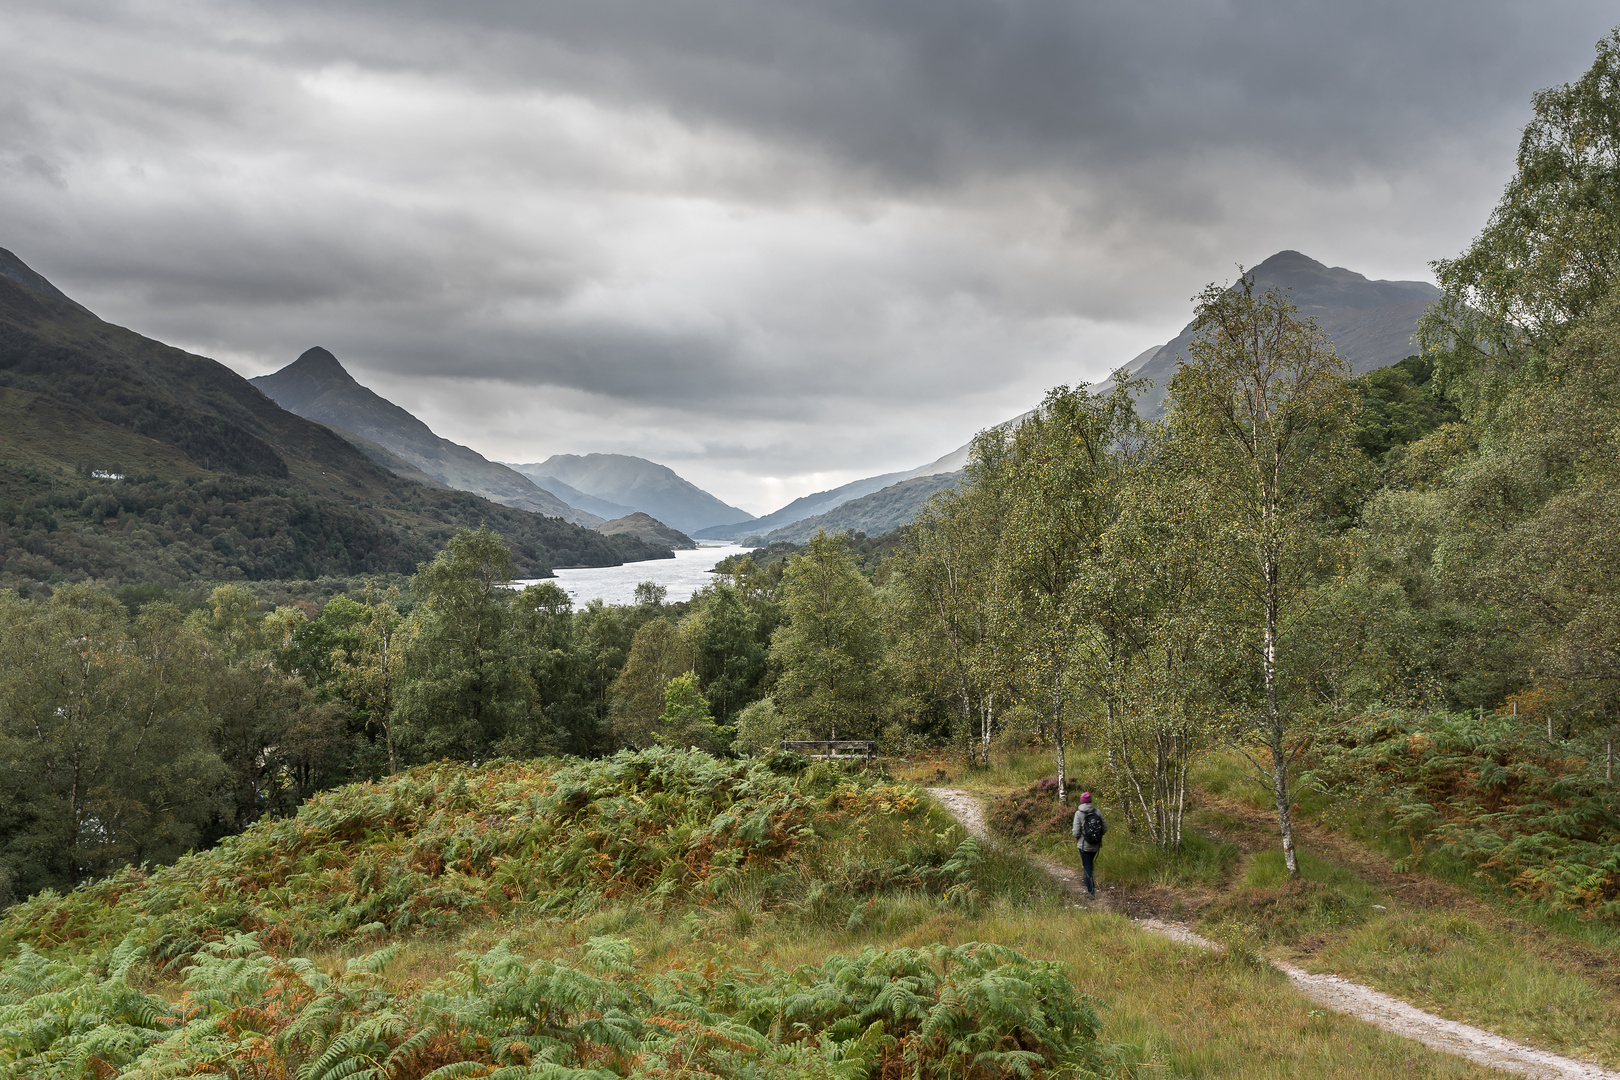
434 847
1034 811
1491 790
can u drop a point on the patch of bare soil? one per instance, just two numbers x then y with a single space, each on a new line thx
1330 991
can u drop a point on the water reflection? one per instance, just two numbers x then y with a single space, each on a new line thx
683 576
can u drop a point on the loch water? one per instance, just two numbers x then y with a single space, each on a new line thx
683 576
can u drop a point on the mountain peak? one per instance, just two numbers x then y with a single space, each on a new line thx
1316 284
317 387
319 363
301 383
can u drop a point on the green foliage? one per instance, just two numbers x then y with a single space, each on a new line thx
441 844
658 653
463 690
942 607
760 728
732 644
1550 252
1494 791
107 751
686 721
1399 405
972 1010
830 653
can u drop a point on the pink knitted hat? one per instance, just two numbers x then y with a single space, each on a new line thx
1085 796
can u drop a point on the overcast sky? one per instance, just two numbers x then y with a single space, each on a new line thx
776 245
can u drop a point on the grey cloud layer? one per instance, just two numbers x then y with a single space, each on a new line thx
759 239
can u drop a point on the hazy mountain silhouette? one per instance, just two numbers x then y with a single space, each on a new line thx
805 506
316 386
874 513
641 485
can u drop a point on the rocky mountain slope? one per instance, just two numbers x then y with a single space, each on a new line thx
317 387
125 459
639 484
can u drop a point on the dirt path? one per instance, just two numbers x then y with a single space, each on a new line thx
1330 991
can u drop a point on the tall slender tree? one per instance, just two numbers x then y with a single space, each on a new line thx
1062 480
1265 406
944 597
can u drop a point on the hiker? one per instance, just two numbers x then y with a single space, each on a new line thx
1088 829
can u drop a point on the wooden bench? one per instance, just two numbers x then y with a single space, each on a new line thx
833 749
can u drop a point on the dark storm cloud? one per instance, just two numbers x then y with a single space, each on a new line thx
763 238
925 91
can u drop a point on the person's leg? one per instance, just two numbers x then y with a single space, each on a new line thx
1086 859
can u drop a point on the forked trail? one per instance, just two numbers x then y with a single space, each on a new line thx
1331 992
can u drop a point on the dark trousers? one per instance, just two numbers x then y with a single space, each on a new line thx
1086 859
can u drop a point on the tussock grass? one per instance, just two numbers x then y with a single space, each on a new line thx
1268 907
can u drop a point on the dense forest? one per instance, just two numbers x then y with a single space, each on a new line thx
1403 583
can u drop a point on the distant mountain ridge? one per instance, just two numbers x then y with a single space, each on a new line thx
640 485
874 513
805 506
318 387
575 497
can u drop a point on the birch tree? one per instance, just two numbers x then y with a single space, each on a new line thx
945 596
1061 490
1157 646
1264 403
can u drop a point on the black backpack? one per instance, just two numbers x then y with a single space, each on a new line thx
1092 828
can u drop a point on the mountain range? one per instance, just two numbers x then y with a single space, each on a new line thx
66 376
317 387
125 459
636 483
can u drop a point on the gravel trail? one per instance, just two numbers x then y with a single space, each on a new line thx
1331 991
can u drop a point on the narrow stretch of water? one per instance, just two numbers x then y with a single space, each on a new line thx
683 576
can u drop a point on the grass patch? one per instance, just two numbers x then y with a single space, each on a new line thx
1269 907
1033 816
1482 975
1193 1014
